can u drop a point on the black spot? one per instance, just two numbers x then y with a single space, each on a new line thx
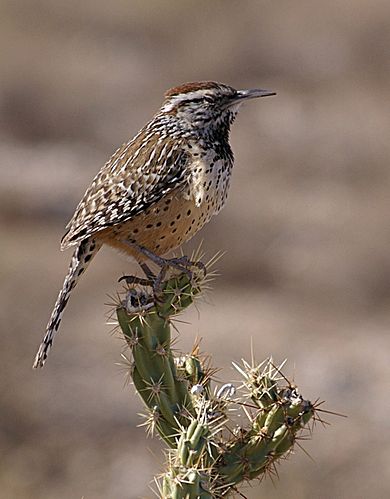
174 230
188 213
172 223
63 305
193 221
165 208
87 258
135 231
149 226
168 201
158 224
162 237
157 246
178 216
79 233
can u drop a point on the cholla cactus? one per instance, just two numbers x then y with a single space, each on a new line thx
217 438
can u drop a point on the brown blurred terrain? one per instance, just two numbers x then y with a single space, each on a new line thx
306 229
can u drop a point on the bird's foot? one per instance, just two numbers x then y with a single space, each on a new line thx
182 263
185 264
156 281
133 279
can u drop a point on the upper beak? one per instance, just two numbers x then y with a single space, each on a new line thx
253 93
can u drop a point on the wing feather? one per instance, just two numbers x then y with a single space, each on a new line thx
137 175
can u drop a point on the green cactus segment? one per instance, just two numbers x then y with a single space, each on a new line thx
273 433
148 333
185 484
177 294
192 444
186 477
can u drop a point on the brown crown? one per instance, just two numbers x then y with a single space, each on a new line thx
191 87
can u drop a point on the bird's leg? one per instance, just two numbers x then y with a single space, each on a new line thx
181 263
155 281
147 271
158 260
157 285
152 280
132 279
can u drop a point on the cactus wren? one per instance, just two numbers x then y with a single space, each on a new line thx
158 189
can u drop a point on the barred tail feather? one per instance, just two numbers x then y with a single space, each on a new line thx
81 258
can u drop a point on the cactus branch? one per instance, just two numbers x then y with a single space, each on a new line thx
208 454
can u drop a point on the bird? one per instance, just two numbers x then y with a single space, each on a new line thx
157 190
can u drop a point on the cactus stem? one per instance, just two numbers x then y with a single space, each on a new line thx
209 456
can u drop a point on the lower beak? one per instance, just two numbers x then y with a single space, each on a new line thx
253 93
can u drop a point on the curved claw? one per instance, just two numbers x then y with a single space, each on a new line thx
132 279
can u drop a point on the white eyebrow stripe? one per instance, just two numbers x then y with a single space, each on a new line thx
196 94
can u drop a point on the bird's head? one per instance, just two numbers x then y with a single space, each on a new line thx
207 104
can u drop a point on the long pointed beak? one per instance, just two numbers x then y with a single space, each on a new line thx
253 93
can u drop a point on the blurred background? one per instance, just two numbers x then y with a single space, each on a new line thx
306 230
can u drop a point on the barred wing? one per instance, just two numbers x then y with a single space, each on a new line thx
137 175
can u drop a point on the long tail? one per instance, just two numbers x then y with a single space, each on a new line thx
81 258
